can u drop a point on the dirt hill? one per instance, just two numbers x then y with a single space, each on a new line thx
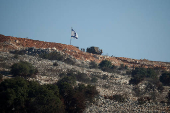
8 43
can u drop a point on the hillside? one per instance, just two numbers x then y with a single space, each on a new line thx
8 43
116 93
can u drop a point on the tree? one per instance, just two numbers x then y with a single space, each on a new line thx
21 96
24 69
13 94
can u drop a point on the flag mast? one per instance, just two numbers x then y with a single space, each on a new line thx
71 37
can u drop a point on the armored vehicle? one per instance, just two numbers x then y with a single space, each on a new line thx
94 50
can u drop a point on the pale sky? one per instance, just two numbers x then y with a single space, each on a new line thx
123 28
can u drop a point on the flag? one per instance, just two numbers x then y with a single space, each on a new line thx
74 34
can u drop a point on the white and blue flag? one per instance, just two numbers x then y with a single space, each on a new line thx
74 34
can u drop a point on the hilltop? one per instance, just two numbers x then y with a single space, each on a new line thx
8 43
116 93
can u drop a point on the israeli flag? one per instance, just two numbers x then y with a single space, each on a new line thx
74 34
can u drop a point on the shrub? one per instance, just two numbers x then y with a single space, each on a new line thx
91 92
117 97
94 80
18 52
107 69
93 65
128 72
139 74
69 61
105 63
105 77
136 80
75 98
122 66
52 56
82 77
24 69
168 97
16 56
55 64
68 79
1 77
143 100
165 78
23 96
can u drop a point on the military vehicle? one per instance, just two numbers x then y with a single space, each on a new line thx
94 50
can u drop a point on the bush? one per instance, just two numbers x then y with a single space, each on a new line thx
52 56
165 78
24 69
69 61
136 80
143 100
18 52
168 97
75 98
122 66
139 74
16 56
82 77
117 97
55 64
94 80
93 65
128 72
20 96
107 66
105 63
105 77
1 77
107 69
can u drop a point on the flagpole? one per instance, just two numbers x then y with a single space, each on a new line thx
70 38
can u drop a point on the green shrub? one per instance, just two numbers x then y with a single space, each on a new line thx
55 64
165 78
117 97
107 69
82 77
143 100
93 65
168 97
1 77
24 69
94 80
105 63
69 61
22 96
105 77
136 80
139 74
68 79
52 56
122 66
18 52
128 72
16 56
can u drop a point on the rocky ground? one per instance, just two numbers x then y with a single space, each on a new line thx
108 84
8 43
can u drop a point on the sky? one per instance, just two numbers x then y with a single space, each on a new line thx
138 29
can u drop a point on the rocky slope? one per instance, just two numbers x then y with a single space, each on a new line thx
107 84
8 43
